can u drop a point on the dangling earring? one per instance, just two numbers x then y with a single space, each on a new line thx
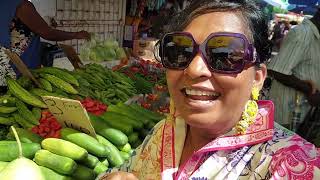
250 112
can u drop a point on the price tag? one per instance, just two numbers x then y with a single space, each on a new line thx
70 113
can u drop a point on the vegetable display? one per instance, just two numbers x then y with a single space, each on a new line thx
64 153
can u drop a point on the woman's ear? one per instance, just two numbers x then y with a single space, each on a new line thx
260 76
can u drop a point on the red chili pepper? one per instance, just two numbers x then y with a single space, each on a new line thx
51 134
47 129
44 121
35 129
99 112
90 104
55 126
43 134
56 134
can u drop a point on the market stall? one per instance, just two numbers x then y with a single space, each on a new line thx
93 108
103 114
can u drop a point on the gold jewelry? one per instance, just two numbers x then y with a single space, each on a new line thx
250 112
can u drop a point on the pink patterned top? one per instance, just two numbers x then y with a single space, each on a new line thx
266 151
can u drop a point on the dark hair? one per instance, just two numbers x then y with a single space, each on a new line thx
293 22
251 13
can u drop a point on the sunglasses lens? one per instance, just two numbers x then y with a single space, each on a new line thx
176 51
225 53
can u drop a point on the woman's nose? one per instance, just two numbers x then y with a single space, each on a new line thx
198 67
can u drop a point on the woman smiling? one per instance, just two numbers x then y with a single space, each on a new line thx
217 128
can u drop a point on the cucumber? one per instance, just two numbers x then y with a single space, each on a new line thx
45 84
137 143
105 162
116 117
134 137
60 164
85 141
26 136
125 148
23 94
83 173
124 127
91 161
143 133
150 125
26 113
97 122
64 148
100 168
7 121
3 165
129 112
59 83
7 110
116 136
52 175
124 155
156 117
9 150
114 156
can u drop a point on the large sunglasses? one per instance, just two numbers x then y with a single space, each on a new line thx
223 52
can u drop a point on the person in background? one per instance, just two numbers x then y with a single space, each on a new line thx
293 24
296 71
20 32
277 35
217 129
286 28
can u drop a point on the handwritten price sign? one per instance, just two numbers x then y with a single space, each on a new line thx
70 113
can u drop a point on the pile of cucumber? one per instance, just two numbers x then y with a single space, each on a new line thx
75 156
133 120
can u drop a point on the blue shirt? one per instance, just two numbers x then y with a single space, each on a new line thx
29 51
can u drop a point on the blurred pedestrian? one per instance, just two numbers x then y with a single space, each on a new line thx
296 70
20 32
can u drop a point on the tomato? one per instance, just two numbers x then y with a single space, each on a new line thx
152 97
146 105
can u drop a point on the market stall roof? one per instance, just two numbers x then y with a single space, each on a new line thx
278 3
305 6
305 9
304 2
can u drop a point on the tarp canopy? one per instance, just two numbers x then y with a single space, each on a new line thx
304 9
283 4
305 6
304 2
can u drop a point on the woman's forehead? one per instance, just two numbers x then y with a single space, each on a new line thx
202 26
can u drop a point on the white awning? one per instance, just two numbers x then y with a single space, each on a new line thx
278 3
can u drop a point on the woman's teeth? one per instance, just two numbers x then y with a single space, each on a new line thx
193 92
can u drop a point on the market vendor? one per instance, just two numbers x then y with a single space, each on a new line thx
20 32
217 128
